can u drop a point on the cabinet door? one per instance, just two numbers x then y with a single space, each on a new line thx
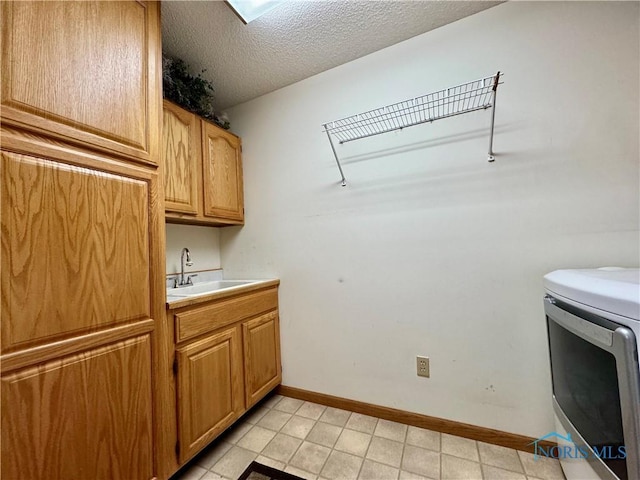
76 252
80 275
84 72
262 369
222 171
181 159
209 389
85 416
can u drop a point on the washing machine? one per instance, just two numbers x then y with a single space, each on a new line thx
593 326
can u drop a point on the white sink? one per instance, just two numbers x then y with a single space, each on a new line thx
206 287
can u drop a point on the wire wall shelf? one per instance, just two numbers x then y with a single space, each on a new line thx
458 100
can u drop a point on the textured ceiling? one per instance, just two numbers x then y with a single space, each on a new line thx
293 41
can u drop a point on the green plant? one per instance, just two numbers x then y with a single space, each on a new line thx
193 93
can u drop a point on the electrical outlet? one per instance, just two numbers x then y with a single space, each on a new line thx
422 365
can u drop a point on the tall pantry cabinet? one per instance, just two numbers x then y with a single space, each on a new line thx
82 232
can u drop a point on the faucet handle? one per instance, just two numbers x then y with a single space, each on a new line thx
189 277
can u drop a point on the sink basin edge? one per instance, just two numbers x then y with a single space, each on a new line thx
202 291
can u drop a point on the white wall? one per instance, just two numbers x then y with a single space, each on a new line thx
430 249
202 242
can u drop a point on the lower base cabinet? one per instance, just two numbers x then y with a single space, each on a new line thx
209 389
260 338
227 358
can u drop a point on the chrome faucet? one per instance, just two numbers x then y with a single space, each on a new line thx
185 260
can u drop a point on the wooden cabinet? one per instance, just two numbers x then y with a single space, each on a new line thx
227 358
262 370
78 268
222 174
86 415
84 73
82 241
209 389
76 250
203 170
182 160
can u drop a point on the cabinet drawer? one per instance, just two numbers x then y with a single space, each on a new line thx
196 321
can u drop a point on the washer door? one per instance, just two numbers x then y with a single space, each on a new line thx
594 370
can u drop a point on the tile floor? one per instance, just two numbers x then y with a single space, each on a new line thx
318 442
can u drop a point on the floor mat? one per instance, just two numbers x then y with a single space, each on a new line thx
257 471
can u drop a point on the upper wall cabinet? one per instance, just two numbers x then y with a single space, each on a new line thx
181 154
57 72
203 170
222 170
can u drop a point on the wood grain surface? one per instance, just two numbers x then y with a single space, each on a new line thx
208 317
181 159
84 416
209 389
64 81
222 348
223 181
82 249
49 351
262 369
75 250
